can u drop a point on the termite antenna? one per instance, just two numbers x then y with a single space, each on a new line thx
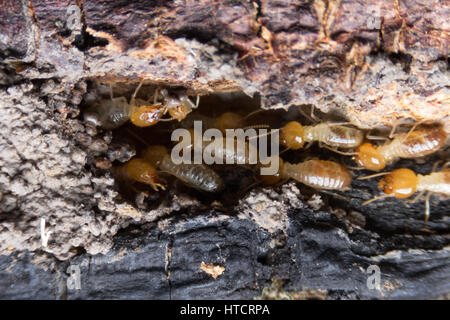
412 129
263 135
283 151
373 175
257 126
311 117
253 113
375 199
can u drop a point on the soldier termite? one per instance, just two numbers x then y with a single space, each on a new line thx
114 112
414 144
318 174
138 169
403 183
197 176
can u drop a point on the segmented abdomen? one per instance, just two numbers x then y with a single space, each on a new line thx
197 176
319 174
335 136
420 143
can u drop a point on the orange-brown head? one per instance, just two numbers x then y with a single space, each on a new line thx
369 157
155 154
401 183
229 120
141 171
291 135
146 116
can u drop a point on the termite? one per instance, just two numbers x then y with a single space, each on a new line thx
318 174
294 135
197 176
414 144
403 183
138 169
114 112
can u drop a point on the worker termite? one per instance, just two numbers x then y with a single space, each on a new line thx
318 174
114 112
402 183
138 169
197 176
414 144
294 135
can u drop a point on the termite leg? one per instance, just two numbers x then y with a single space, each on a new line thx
415 198
435 165
375 199
427 206
394 127
133 97
335 195
155 186
197 102
111 92
413 128
338 123
371 137
354 168
339 152
156 96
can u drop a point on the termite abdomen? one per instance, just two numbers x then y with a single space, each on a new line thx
319 174
197 176
422 142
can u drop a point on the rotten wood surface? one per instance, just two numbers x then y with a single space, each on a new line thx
375 62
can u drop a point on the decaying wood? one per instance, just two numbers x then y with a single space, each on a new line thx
375 62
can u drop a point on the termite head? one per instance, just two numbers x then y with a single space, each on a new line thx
179 112
145 116
229 120
155 154
270 179
291 135
143 172
400 183
369 157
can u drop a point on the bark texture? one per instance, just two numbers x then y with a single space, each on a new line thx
375 62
